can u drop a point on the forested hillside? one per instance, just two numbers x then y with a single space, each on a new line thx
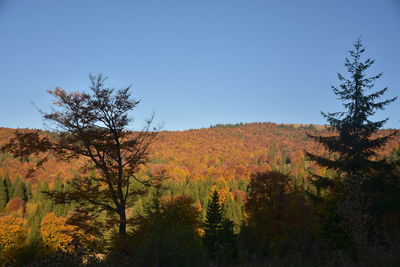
93 193
231 151
210 177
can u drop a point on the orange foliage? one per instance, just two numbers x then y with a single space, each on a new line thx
13 233
16 207
220 153
58 235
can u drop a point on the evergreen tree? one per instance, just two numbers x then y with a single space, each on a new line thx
19 189
345 206
353 130
3 194
213 226
59 209
7 187
29 191
39 197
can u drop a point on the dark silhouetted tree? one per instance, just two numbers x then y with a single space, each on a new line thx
167 234
352 140
279 218
213 226
93 125
354 143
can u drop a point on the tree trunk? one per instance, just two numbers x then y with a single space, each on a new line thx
122 238
122 223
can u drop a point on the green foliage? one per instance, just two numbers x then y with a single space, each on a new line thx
213 226
7 187
167 235
3 194
18 189
219 237
45 205
279 217
29 191
227 125
59 209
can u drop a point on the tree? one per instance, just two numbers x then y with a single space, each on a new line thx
16 207
354 143
58 235
278 216
352 140
168 234
59 209
13 233
213 225
7 187
92 126
44 204
3 194
18 189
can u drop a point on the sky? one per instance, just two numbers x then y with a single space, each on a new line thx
195 63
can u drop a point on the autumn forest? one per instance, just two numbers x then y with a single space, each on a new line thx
91 192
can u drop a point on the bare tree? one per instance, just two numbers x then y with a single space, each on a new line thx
93 126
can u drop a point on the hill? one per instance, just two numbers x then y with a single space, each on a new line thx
223 151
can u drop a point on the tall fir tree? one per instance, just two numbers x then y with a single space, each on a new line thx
352 140
213 226
345 208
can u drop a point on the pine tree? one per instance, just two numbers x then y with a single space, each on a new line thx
352 138
213 226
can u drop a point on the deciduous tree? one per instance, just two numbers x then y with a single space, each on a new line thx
13 233
58 235
94 126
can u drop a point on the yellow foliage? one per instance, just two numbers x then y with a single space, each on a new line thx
58 235
13 233
200 232
223 193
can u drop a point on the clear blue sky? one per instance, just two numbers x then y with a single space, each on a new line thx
195 63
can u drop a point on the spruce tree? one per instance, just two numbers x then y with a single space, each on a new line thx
352 130
345 207
213 226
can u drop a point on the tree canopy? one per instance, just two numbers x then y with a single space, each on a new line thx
92 125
